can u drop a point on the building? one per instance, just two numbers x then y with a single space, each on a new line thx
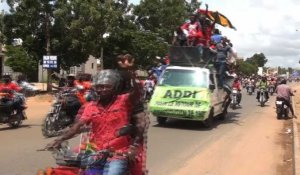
91 66
4 69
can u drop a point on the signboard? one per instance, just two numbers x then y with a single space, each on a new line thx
260 71
186 102
50 61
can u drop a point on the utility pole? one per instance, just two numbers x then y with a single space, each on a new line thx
48 51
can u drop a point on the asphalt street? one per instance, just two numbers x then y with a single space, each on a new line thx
169 147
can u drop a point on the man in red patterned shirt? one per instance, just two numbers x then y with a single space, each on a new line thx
106 116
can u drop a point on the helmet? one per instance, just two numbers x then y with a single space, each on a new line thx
108 76
71 76
283 81
6 78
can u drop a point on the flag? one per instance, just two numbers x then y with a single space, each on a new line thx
217 17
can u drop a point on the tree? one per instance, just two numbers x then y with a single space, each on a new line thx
20 61
246 68
161 16
258 59
1 29
72 30
80 27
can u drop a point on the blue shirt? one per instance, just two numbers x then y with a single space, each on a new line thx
216 38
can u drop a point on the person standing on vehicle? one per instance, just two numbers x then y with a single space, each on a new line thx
223 50
237 85
284 93
193 30
217 37
263 85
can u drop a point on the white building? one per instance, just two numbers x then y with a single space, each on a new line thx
89 67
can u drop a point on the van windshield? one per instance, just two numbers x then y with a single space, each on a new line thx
187 78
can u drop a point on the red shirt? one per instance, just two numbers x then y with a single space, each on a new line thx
236 85
10 86
86 85
107 121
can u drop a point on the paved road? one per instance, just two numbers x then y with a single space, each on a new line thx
169 146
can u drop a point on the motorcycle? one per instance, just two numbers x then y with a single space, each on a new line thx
250 89
87 161
62 114
262 97
148 93
8 113
271 89
28 89
234 99
282 109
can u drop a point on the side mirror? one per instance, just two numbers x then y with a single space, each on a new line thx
212 86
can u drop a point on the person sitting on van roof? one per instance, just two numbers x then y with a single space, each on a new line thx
193 30
217 37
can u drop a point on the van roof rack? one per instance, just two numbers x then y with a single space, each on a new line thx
191 56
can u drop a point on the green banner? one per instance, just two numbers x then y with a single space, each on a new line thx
180 102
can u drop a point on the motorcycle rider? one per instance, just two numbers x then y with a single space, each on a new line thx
284 93
237 85
272 84
9 87
140 118
83 87
73 104
107 116
263 84
149 86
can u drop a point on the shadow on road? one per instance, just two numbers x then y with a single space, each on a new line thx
232 118
20 127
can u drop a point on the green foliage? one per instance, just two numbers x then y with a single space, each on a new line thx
143 46
1 28
282 70
20 61
258 59
79 28
246 68
161 16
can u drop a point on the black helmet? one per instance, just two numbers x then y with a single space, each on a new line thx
283 81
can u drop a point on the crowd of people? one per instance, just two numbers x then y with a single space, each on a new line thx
265 84
200 31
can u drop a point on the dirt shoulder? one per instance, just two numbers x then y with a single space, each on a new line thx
297 120
263 145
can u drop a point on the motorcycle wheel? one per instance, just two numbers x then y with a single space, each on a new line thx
262 104
233 106
286 113
48 127
16 124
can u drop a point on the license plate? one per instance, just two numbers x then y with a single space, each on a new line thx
234 91
278 102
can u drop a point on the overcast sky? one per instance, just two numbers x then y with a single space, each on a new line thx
267 26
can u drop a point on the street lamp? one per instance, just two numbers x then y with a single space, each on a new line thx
104 36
